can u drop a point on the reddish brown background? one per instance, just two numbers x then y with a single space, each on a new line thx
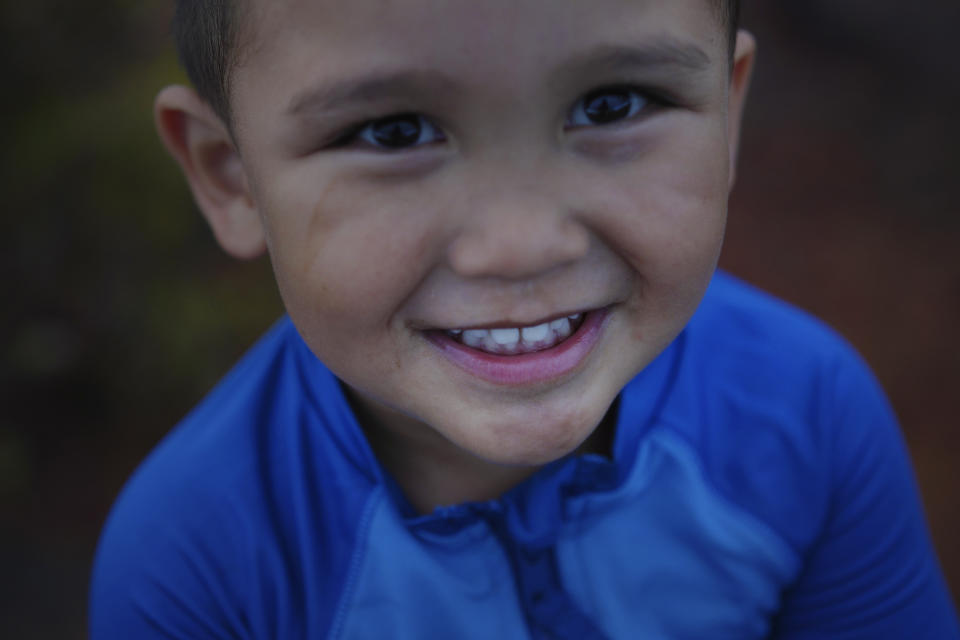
119 312
848 205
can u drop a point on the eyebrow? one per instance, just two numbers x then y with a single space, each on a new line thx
371 88
665 55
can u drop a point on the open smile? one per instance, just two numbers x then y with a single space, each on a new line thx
523 355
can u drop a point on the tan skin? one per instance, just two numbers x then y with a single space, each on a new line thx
510 206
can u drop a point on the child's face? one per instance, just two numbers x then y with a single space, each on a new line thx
552 158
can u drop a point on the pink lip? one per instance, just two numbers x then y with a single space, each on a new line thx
530 368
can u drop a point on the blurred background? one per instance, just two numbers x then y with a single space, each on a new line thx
120 312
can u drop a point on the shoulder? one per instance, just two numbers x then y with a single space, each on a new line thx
764 356
740 324
749 354
276 409
776 404
790 426
241 499
217 445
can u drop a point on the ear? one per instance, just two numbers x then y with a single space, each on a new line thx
743 58
201 143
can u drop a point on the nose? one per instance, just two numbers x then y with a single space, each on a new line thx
516 236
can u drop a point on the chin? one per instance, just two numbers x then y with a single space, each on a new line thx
534 441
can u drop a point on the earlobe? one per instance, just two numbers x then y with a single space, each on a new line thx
743 59
200 142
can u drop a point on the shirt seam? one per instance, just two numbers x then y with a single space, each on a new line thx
670 432
356 562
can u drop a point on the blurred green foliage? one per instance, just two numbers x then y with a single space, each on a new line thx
114 282
119 310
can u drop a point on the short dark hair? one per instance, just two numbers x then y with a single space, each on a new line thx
730 11
207 34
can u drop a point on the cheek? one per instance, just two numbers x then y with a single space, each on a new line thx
335 247
666 212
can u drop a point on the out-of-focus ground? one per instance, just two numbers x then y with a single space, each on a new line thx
119 312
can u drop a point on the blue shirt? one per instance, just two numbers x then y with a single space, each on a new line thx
758 488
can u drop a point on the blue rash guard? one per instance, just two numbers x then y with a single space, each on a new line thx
759 488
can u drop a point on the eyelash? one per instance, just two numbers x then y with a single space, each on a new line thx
640 101
363 132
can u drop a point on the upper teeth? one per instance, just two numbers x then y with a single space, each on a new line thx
511 340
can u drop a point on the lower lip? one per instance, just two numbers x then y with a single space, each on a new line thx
529 368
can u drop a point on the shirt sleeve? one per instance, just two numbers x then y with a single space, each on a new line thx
872 573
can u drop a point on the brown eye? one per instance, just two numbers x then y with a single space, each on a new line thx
605 106
400 132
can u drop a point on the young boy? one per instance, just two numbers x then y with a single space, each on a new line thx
512 399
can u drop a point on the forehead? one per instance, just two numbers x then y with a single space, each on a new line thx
349 31
491 50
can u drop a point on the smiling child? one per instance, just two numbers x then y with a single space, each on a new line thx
512 398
